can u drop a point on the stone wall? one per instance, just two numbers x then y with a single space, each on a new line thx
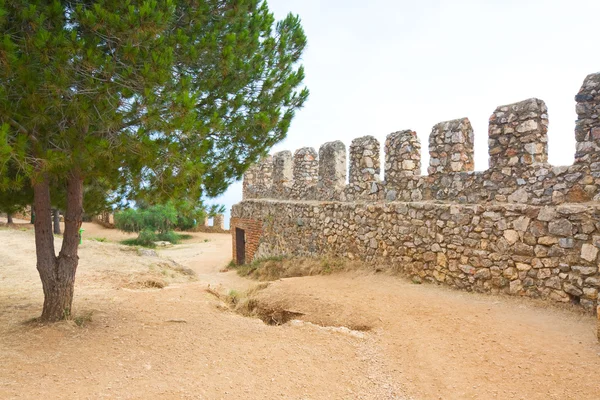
106 219
218 225
523 226
538 251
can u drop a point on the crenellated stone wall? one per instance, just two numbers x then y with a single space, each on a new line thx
523 226
218 224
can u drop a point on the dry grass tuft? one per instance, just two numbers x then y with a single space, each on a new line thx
250 304
153 284
274 268
246 304
158 276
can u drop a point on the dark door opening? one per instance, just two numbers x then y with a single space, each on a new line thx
240 246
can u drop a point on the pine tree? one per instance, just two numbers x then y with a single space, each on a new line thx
162 98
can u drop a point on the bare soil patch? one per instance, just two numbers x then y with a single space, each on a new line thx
347 335
447 344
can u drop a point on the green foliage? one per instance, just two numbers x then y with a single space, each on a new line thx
169 237
14 201
154 100
15 193
189 214
146 238
152 223
163 100
159 218
215 209
186 223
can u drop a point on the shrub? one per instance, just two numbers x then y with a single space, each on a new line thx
153 223
169 237
146 238
159 218
185 223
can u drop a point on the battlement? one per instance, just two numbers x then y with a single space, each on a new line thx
502 230
587 128
402 156
451 147
518 136
332 169
518 163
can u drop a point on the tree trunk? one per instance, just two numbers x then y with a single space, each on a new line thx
56 219
57 273
9 219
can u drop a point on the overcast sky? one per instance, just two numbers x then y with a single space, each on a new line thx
380 66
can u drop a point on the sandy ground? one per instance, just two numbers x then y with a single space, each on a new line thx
180 342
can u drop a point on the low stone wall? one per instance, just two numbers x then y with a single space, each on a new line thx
209 229
106 219
548 252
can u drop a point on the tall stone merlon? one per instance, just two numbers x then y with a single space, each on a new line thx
451 147
283 173
258 179
332 166
402 156
364 160
518 136
587 128
306 172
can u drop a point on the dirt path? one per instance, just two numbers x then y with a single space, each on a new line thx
419 341
448 344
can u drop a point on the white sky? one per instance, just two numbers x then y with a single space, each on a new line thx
380 66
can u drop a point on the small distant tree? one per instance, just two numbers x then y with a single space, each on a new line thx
189 214
14 201
215 209
159 218
15 193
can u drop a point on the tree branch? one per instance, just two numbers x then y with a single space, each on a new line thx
21 129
